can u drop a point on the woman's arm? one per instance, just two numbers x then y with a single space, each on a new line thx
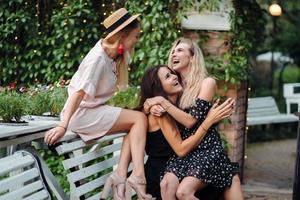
207 92
158 105
172 135
53 135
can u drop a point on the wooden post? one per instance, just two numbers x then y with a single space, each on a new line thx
235 132
296 185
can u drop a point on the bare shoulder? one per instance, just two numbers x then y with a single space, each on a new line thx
208 89
209 81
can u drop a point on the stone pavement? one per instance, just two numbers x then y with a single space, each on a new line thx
269 170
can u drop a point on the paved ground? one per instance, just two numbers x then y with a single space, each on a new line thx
269 170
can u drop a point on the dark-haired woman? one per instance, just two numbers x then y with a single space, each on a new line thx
163 138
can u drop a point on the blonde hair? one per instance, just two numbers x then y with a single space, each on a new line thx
193 81
122 61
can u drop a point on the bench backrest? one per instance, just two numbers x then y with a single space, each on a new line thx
88 165
262 106
291 90
20 178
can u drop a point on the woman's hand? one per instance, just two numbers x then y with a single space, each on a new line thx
219 112
153 105
54 135
157 110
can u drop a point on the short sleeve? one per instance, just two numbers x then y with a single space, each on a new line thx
89 75
200 109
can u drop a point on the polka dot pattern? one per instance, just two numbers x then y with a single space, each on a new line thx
208 162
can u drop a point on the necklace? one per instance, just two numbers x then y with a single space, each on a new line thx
114 69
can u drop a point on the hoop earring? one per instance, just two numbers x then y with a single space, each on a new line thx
120 49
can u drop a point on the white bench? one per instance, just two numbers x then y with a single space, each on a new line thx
89 164
21 178
291 95
263 110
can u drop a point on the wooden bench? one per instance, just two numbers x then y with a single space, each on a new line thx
89 164
291 93
263 110
21 178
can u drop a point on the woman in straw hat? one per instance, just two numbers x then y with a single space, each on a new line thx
86 113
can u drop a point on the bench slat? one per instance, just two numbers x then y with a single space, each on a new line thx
262 112
94 197
21 192
41 195
90 186
14 163
282 118
80 159
78 144
93 169
18 178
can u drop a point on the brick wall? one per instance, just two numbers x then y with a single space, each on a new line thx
235 131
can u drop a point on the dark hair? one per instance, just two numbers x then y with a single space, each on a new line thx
151 85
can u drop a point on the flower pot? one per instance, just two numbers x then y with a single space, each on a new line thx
14 123
45 118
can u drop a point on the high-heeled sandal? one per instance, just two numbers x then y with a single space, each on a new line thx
134 182
112 182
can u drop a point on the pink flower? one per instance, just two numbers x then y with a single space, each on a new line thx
62 83
11 86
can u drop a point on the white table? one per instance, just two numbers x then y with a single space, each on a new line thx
15 135
19 137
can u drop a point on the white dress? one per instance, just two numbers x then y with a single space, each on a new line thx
96 75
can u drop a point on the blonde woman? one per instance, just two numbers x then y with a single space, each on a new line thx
208 164
87 114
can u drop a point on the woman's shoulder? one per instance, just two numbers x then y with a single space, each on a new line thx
208 89
209 81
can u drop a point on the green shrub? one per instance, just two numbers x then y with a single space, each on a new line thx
126 99
39 103
57 100
13 106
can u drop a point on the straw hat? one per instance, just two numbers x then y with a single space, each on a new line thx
117 21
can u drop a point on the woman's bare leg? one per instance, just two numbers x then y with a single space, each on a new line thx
234 192
168 186
135 123
187 188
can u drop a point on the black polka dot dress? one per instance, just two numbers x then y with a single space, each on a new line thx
208 162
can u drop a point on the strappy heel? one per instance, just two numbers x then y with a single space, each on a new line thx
134 182
112 182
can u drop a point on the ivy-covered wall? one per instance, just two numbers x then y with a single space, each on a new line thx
45 40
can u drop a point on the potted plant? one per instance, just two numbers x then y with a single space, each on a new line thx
39 104
12 107
57 100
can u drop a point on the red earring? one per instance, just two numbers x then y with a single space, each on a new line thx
120 49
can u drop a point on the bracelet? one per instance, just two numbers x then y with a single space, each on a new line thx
203 128
62 127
